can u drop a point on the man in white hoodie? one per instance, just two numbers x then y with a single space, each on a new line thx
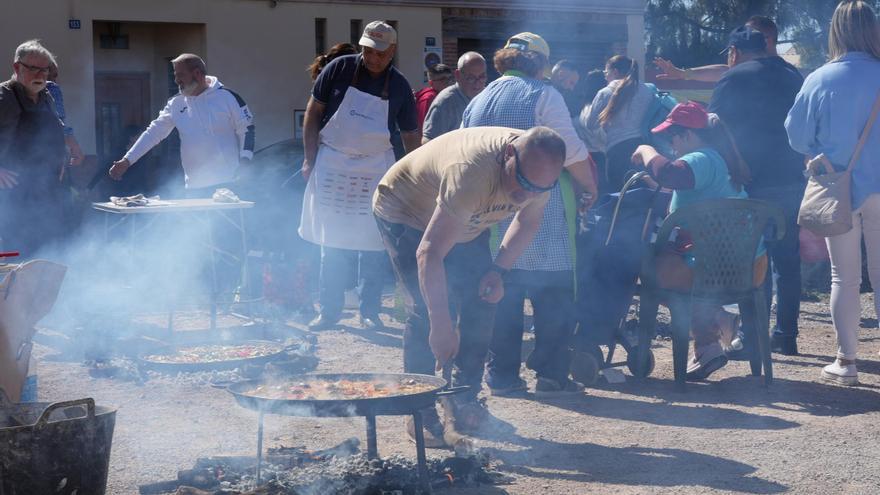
215 125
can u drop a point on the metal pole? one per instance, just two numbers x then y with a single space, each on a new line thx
372 448
211 247
244 282
421 458
259 449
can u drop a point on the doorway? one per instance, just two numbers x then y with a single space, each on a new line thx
122 101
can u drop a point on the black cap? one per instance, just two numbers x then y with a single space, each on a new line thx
746 39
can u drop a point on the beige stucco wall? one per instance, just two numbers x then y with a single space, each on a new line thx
259 51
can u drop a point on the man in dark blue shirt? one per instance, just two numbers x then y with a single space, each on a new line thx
753 99
359 105
335 79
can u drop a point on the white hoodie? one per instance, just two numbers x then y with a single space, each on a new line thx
216 130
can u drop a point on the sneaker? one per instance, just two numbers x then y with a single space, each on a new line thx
736 344
432 429
728 325
323 322
548 387
371 322
840 374
705 361
508 389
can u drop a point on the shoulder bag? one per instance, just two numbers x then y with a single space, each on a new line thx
826 209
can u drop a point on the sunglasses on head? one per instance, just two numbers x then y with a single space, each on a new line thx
525 183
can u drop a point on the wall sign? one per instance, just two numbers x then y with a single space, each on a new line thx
299 118
74 23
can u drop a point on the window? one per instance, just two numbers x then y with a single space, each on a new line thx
320 35
356 30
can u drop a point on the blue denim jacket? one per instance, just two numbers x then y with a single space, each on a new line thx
829 114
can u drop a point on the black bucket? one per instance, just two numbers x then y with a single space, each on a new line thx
55 448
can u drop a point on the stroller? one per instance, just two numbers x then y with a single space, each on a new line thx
611 244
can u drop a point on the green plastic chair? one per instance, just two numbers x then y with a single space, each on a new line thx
725 233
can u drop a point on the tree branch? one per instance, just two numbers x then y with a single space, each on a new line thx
694 23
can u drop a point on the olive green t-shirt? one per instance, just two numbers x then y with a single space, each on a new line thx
461 172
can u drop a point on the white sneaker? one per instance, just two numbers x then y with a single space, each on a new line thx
840 374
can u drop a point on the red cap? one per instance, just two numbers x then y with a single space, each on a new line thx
691 115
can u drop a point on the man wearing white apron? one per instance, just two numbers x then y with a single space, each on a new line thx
357 102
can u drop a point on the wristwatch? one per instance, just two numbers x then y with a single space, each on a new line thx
500 271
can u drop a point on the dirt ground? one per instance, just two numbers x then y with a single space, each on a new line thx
728 435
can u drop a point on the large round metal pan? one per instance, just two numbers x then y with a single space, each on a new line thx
209 365
378 406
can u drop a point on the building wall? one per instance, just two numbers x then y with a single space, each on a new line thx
259 51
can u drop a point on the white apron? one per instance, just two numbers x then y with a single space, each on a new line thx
354 153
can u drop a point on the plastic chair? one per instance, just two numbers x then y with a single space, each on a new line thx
725 233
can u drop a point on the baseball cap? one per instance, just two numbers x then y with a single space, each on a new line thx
378 35
529 42
747 39
691 115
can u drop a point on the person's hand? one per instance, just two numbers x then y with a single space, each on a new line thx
306 169
76 153
818 165
650 182
670 71
491 287
638 157
8 178
589 196
119 168
444 343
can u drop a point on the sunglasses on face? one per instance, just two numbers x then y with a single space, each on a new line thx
525 183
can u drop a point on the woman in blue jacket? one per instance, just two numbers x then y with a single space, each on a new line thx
827 118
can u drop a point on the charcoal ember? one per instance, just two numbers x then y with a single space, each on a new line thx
198 478
349 475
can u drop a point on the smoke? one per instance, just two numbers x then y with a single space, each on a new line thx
123 265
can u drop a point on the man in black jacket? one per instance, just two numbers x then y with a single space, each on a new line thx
753 99
32 154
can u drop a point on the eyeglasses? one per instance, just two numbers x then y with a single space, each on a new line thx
34 68
474 79
525 183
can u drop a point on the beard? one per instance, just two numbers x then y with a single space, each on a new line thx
189 88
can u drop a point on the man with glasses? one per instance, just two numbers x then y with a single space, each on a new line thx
439 78
445 112
434 209
32 154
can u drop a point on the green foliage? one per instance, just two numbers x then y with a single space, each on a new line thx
693 32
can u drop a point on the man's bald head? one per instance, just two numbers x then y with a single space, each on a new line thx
471 73
192 62
537 159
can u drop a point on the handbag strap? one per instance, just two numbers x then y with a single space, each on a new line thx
865 132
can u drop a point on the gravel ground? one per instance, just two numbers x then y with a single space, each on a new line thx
728 435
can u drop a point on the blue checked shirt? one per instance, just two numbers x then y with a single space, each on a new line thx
511 102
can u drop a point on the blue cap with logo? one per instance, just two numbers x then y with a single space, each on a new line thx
746 39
